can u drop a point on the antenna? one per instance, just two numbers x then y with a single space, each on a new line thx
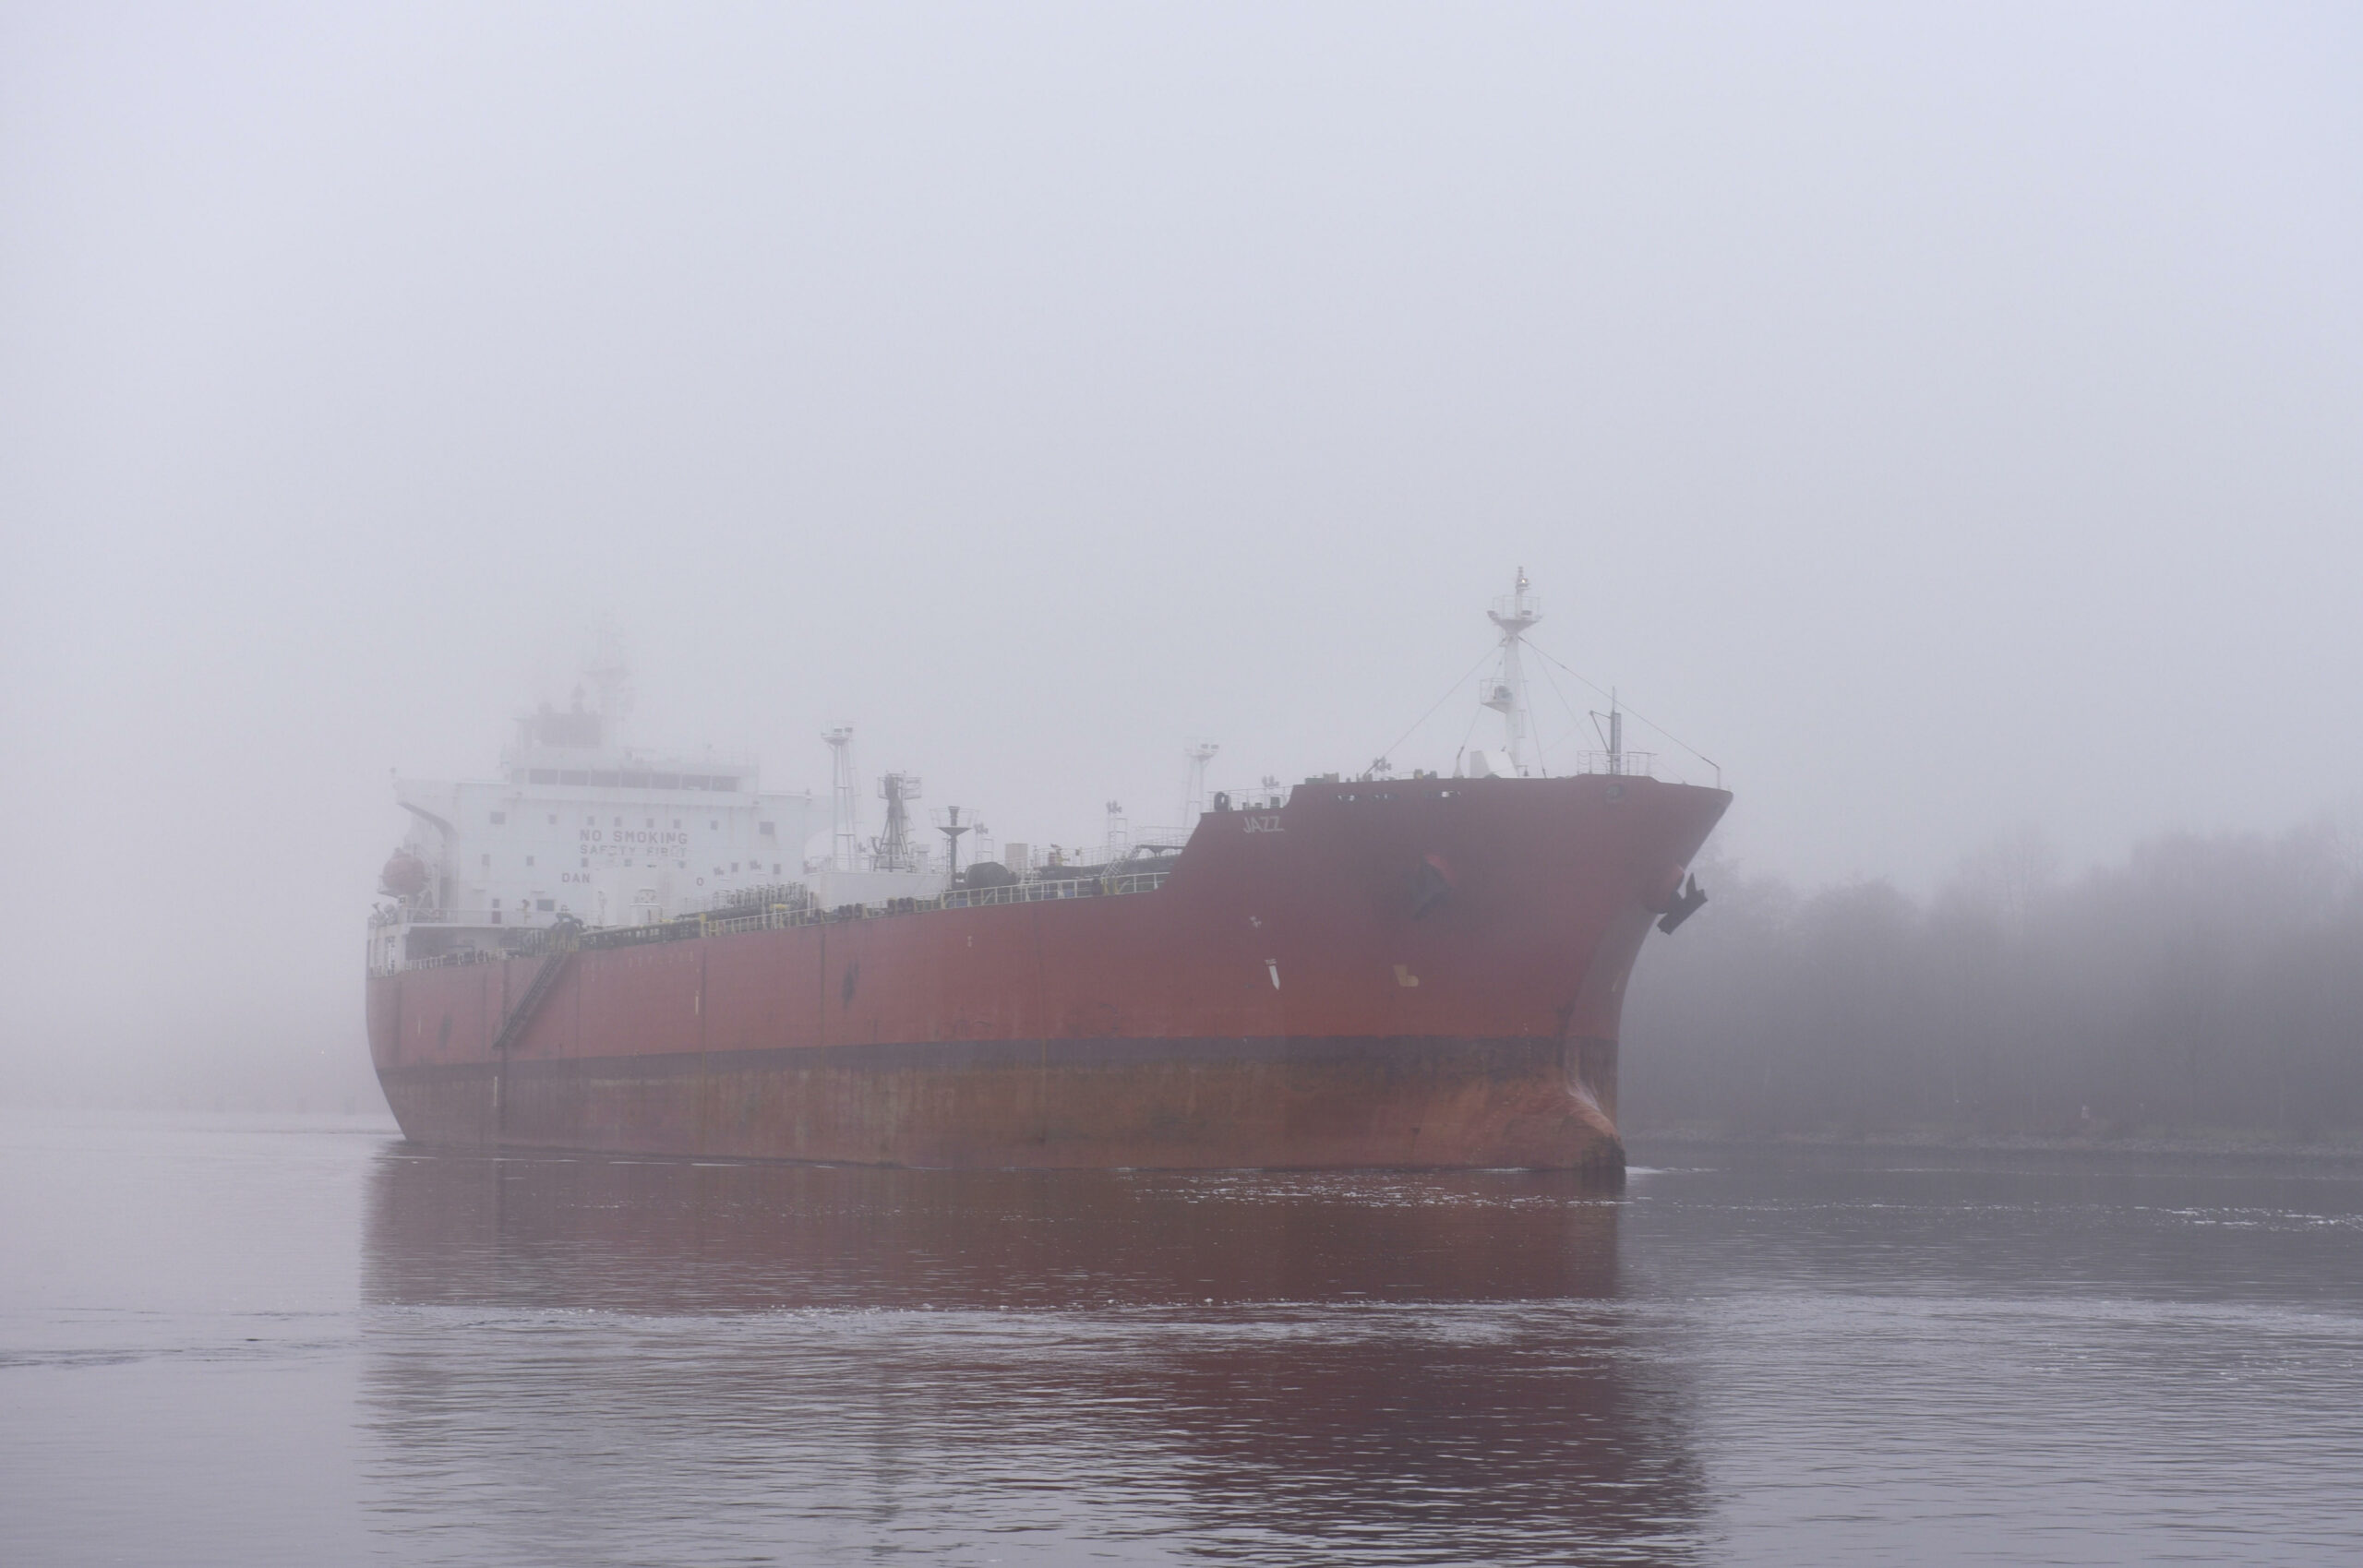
948 823
1193 785
1505 693
845 815
1118 837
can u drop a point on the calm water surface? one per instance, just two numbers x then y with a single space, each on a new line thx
303 1342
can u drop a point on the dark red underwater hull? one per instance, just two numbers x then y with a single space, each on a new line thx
1425 974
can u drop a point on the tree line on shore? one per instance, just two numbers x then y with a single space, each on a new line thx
2205 985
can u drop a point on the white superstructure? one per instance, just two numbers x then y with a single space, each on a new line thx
580 828
605 834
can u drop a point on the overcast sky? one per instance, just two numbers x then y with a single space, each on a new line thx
1947 420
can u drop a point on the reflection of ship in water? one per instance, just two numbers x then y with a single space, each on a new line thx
1429 1366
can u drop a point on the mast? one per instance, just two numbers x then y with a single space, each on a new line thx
1194 787
843 804
1513 613
893 852
948 823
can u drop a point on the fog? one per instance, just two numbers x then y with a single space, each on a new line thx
1947 424
2205 988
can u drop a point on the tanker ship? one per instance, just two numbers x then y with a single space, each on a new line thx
610 949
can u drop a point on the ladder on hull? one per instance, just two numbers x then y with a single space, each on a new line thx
513 1027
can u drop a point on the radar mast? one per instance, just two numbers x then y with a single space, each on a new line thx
1514 611
1194 785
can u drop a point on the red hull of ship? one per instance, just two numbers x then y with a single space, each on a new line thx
1421 973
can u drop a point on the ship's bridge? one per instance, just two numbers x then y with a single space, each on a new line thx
570 749
607 836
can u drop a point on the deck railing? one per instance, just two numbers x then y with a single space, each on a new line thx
1630 764
535 940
